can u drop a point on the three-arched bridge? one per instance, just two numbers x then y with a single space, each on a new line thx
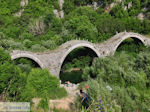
54 59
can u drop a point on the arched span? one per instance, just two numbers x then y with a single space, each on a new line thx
30 56
128 35
87 45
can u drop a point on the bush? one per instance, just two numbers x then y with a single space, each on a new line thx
108 25
26 64
136 25
13 31
94 89
53 23
26 35
27 43
40 83
84 11
37 48
44 103
8 9
25 67
82 28
68 6
100 10
2 36
49 44
9 75
16 88
37 27
119 12
4 57
38 8
128 85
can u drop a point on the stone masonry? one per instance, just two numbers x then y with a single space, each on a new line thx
54 59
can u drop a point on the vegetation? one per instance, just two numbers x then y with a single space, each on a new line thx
75 62
7 70
38 30
128 79
23 84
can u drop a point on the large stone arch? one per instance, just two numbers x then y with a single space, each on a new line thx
126 36
53 60
86 45
27 55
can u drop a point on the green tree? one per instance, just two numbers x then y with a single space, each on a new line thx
82 28
109 25
119 12
7 71
40 83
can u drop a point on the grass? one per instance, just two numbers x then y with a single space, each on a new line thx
58 93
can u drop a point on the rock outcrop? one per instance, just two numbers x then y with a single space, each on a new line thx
23 3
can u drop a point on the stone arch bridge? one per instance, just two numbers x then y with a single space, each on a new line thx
54 59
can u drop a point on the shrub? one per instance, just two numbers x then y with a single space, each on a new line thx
27 43
26 35
38 48
38 8
84 11
44 103
49 44
82 28
4 44
37 27
4 57
83 2
40 83
100 10
15 45
68 6
2 36
128 85
53 23
8 9
109 25
16 88
13 31
94 89
119 12
8 72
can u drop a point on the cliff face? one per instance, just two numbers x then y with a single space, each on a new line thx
95 5
23 3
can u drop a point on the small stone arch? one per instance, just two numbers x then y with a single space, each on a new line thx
128 35
30 56
87 45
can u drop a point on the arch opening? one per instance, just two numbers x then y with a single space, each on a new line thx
131 45
26 64
74 63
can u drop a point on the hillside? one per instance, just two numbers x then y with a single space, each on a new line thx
118 83
45 24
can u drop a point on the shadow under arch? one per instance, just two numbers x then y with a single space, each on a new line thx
76 53
135 37
130 45
74 47
28 56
